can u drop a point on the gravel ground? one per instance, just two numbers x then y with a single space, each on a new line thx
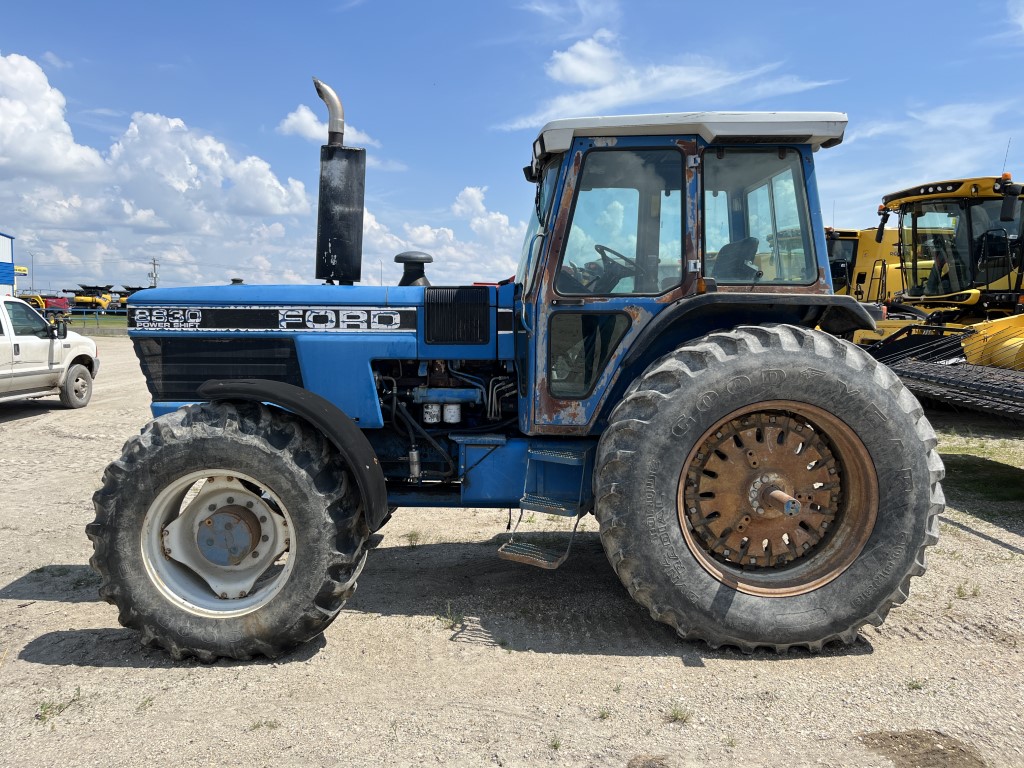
448 655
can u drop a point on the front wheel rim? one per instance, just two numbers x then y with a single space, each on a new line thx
218 543
777 499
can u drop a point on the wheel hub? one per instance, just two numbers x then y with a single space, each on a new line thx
229 535
762 491
226 533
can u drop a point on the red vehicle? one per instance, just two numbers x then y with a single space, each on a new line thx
52 307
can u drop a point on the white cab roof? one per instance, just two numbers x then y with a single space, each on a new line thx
819 129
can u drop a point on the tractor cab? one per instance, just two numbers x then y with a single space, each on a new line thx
640 221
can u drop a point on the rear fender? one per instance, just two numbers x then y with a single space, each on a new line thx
329 420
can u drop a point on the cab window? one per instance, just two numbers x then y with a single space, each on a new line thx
756 218
626 230
25 321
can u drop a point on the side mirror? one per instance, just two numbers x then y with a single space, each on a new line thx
880 232
1010 195
60 329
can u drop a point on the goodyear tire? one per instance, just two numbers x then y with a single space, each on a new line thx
769 486
76 391
227 530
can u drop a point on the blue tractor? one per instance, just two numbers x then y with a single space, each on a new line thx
666 357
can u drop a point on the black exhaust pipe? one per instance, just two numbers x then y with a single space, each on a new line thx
339 219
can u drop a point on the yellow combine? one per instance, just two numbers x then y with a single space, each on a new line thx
959 248
955 328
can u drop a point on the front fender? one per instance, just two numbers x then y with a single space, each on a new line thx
326 417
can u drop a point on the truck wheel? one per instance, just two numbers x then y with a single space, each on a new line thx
228 530
769 486
76 391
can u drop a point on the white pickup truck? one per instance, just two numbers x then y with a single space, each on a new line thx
39 359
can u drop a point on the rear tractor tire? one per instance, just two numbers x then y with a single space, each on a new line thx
771 487
228 530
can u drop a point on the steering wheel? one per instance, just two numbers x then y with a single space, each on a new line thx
606 253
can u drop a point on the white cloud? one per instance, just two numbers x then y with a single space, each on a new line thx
576 18
35 139
1015 10
303 122
588 62
490 254
608 81
56 61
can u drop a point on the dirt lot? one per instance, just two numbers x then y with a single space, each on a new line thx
447 655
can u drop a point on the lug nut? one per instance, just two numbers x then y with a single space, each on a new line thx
265 538
255 554
263 518
248 504
212 507
231 499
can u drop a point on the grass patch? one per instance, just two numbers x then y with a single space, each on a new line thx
555 743
677 713
413 537
51 709
915 684
145 704
270 725
451 618
603 714
963 591
85 322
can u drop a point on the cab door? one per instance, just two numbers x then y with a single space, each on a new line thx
36 356
619 251
6 356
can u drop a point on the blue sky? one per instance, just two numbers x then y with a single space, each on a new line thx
189 132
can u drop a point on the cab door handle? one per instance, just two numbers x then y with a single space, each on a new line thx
17 349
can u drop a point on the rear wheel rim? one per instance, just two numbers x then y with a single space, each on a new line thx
733 489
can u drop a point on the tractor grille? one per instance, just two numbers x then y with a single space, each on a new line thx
175 368
457 315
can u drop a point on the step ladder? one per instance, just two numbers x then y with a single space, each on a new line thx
537 498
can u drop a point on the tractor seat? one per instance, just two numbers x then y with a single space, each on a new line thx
731 263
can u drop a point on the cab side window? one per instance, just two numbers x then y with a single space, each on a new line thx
26 322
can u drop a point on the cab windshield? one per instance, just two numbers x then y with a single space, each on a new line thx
954 245
538 220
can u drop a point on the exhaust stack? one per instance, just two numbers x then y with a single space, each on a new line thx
339 221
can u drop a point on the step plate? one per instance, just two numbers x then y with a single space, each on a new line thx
529 554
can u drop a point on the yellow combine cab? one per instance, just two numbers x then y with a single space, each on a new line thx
959 247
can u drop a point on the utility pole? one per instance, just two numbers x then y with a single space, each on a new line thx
155 274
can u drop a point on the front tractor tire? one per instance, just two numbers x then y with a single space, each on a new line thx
228 530
768 487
